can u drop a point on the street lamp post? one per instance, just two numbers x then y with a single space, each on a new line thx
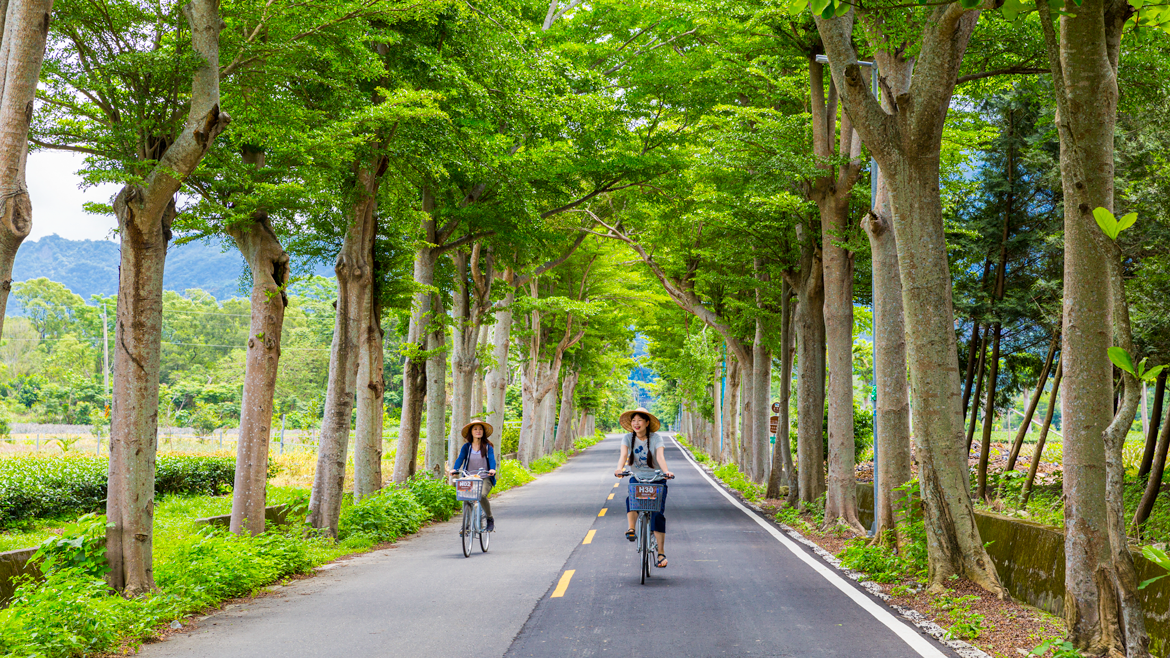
873 177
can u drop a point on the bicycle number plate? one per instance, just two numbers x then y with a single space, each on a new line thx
463 485
645 492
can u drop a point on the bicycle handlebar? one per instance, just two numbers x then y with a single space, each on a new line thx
658 474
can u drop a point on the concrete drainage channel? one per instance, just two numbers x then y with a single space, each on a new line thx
15 563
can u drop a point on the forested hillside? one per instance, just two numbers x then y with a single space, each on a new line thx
90 267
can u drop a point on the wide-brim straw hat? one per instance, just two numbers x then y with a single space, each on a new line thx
624 421
487 428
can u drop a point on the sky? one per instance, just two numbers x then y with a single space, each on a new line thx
57 198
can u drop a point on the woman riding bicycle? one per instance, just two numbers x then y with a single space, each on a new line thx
478 454
644 448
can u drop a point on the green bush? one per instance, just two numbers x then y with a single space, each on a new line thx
548 462
384 516
583 442
72 612
435 494
50 485
81 545
880 563
731 476
511 474
509 440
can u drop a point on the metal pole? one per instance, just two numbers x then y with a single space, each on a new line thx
282 434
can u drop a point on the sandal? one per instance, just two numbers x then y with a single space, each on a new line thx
661 561
631 535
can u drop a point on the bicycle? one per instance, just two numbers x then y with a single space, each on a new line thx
645 498
467 490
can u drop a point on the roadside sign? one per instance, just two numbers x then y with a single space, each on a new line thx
774 423
775 407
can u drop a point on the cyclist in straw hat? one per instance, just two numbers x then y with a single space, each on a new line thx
478 454
644 448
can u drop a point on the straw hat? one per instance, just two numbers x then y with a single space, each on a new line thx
624 421
487 428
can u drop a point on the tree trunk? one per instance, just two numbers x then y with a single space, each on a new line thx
762 392
436 455
969 379
370 388
782 454
22 50
477 387
1156 415
715 449
414 379
810 386
1023 431
978 390
464 340
565 428
907 144
892 426
1027 490
548 418
989 412
351 336
269 266
747 423
497 379
145 211
832 194
1101 609
730 411
1154 484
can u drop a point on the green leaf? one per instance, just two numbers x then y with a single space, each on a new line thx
818 6
1152 373
1126 221
1107 222
1121 359
1157 556
1012 9
1151 580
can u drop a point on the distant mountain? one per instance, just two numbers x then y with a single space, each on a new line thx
90 267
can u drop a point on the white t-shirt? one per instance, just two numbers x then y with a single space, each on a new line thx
640 449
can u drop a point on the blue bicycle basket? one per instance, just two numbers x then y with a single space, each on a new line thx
645 497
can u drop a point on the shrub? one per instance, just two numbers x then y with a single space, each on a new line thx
384 516
731 476
511 474
583 442
434 494
50 485
509 440
548 462
81 545
881 564
215 564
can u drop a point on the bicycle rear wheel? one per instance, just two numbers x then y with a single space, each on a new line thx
644 543
467 534
484 535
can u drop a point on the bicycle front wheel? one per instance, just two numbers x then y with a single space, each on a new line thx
468 529
644 543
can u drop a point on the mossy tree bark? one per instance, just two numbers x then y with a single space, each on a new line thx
145 211
1102 612
269 266
907 144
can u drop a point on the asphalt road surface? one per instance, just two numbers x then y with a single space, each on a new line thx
735 586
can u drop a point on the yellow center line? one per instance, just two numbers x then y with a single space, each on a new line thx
563 584
615 485
602 512
610 497
589 537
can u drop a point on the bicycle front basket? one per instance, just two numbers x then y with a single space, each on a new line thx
645 497
468 489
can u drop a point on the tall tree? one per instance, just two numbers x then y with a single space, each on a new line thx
906 143
23 32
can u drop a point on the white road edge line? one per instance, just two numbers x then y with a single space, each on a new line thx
909 635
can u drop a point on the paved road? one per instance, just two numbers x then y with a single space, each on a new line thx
735 587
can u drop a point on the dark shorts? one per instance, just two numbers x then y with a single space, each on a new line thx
657 519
